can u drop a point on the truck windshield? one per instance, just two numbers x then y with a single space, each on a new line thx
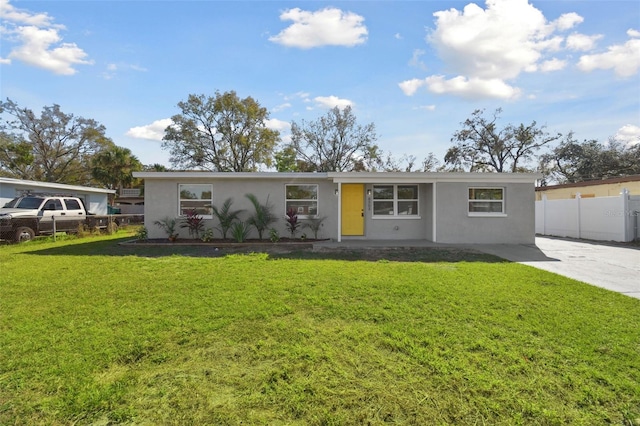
25 203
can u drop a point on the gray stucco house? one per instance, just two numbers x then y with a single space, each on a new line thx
440 207
95 199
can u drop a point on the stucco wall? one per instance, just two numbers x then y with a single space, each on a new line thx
455 225
396 228
161 200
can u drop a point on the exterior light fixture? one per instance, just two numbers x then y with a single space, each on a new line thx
369 192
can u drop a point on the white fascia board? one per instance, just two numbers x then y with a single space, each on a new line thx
432 177
51 185
229 175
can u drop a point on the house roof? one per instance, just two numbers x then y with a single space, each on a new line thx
51 185
630 178
346 177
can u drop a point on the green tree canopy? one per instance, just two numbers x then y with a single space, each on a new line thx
482 146
222 133
52 147
334 142
573 161
114 167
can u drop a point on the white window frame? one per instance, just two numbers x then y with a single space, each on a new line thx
470 200
395 201
310 200
210 200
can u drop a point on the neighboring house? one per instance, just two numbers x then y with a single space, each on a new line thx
95 199
130 201
611 187
440 207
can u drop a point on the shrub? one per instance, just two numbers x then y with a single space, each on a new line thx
226 216
314 224
292 222
263 215
240 231
194 222
168 225
273 235
142 233
207 236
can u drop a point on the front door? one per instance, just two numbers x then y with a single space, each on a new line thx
352 209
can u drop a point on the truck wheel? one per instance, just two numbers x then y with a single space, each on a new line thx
24 234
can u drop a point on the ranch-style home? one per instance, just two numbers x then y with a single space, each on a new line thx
491 208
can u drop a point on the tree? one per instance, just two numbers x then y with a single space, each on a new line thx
114 167
16 157
334 142
572 161
407 163
54 147
222 133
481 146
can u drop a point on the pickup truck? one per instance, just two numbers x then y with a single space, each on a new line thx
23 218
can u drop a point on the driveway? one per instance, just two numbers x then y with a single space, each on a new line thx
615 267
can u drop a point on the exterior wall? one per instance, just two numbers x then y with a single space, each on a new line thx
416 228
455 226
161 200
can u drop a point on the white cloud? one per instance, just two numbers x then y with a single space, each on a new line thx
332 101
487 48
415 60
398 36
281 107
624 59
112 69
582 42
153 131
567 21
473 88
427 107
10 13
38 42
410 87
633 33
554 64
5 61
629 134
325 27
279 125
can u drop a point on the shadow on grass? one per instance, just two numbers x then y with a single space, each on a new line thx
120 247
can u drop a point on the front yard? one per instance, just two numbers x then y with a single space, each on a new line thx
93 332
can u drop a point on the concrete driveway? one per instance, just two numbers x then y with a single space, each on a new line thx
614 267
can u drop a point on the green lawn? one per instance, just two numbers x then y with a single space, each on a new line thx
96 333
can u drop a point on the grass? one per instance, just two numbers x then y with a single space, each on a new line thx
95 333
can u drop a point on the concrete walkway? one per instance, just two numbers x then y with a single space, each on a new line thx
614 267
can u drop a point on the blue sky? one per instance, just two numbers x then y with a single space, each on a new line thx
416 69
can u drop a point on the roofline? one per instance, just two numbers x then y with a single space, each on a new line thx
346 177
432 177
230 175
52 185
630 178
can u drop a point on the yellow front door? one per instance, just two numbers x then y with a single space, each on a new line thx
352 209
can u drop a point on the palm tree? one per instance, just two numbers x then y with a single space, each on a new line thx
263 215
226 216
114 166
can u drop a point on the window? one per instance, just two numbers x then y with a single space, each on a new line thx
72 204
198 197
302 198
486 201
395 200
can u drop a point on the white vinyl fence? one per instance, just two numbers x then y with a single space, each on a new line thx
601 218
